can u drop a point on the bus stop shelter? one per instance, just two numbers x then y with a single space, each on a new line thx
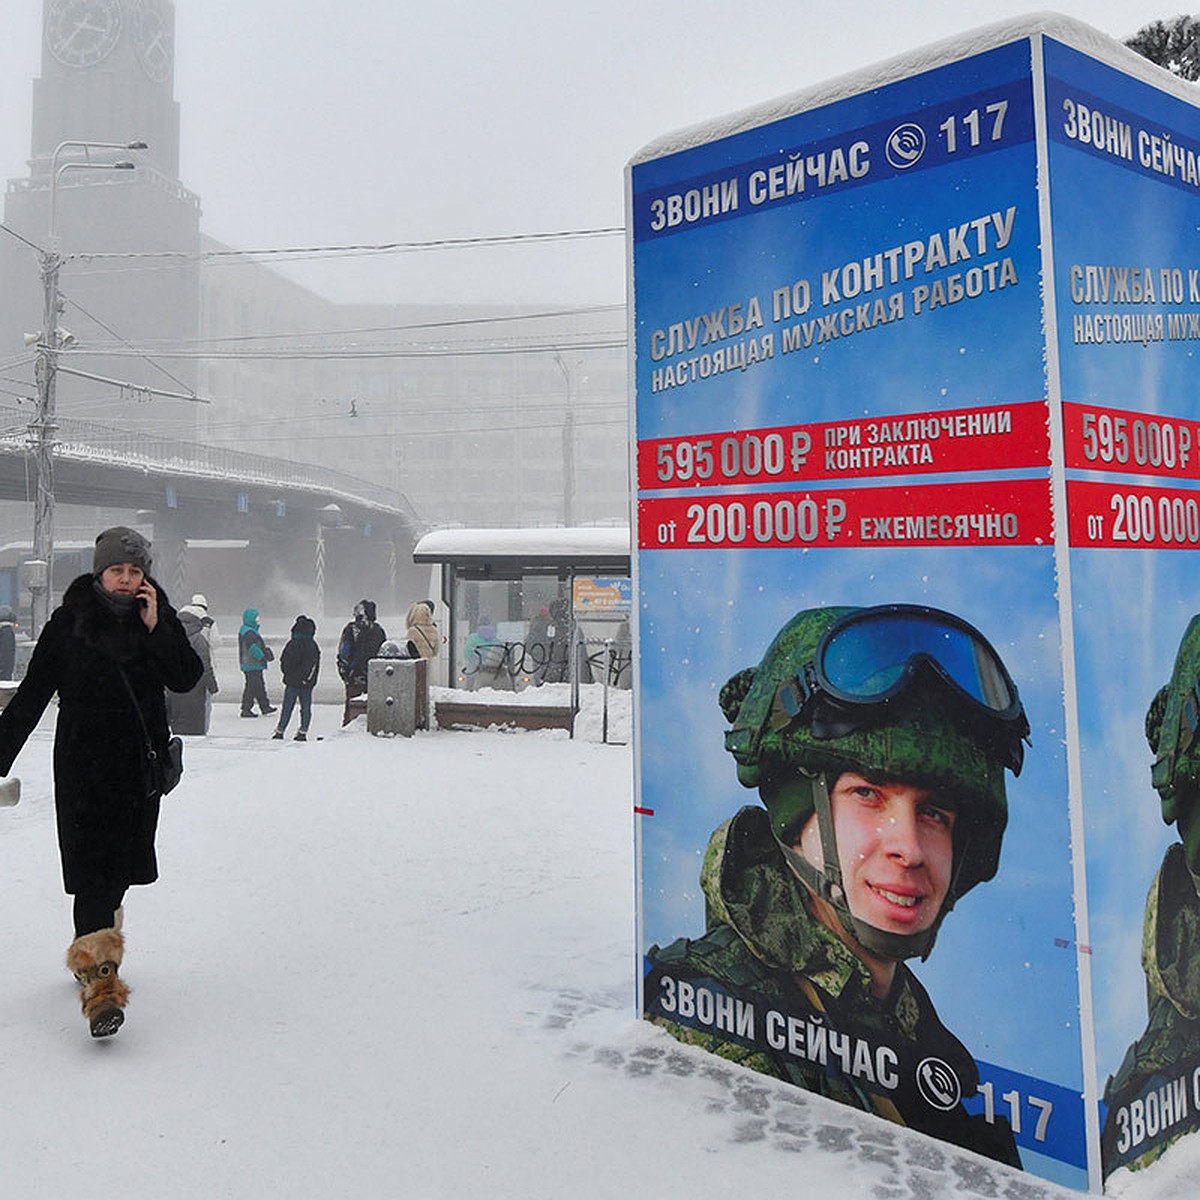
516 603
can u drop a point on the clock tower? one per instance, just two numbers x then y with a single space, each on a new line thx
108 71
107 75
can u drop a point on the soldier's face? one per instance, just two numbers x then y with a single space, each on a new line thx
896 848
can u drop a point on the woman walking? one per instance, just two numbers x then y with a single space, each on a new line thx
108 651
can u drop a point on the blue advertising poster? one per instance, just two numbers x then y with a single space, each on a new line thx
1124 176
851 691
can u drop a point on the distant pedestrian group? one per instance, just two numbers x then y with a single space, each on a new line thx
362 639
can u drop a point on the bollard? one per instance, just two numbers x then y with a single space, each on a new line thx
396 696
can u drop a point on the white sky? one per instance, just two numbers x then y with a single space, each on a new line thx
310 123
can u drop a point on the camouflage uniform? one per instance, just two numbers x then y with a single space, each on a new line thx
895 693
767 954
1169 1048
1151 1098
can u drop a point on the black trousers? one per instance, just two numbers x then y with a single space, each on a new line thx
255 692
354 688
96 910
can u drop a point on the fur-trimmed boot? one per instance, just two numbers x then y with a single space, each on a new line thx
93 959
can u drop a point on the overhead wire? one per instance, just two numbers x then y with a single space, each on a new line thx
555 426
20 237
348 353
354 249
598 341
137 353
235 346
448 323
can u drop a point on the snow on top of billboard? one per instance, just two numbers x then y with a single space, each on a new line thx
579 541
1066 29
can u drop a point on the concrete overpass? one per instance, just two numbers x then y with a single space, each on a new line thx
276 529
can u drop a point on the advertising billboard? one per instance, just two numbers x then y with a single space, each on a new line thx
1124 190
883 756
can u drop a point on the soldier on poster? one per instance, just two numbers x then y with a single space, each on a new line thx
1147 1098
878 739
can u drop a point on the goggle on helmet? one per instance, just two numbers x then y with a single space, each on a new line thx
874 655
895 691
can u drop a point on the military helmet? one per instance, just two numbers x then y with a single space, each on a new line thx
1173 729
896 691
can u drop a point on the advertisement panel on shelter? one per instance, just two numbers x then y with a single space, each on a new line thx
1125 203
851 698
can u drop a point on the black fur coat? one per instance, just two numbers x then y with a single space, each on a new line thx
106 819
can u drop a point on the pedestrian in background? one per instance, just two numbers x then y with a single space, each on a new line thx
189 712
360 642
486 659
253 656
108 651
300 663
199 602
8 643
422 631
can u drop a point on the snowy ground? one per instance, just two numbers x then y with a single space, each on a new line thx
388 967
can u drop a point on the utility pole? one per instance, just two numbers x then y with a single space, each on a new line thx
50 341
569 468
568 447
43 429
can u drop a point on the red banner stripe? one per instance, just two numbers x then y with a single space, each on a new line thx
995 513
1002 437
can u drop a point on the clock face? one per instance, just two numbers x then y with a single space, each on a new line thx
152 38
81 33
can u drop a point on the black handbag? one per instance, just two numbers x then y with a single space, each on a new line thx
164 772
172 768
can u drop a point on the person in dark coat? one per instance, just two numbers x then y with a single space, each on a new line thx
8 643
300 663
189 712
108 651
359 643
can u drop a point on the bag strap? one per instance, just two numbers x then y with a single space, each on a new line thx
151 753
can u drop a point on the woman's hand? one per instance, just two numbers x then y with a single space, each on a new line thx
147 596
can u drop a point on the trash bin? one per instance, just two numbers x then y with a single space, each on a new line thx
397 696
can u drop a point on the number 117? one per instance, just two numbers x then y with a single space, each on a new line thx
1013 1100
971 122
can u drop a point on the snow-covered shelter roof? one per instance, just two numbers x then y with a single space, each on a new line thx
1066 29
591 545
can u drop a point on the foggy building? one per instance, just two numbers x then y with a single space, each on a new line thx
481 416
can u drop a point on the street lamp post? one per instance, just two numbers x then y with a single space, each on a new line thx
568 446
46 374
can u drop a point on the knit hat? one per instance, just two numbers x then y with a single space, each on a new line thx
200 600
120 545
